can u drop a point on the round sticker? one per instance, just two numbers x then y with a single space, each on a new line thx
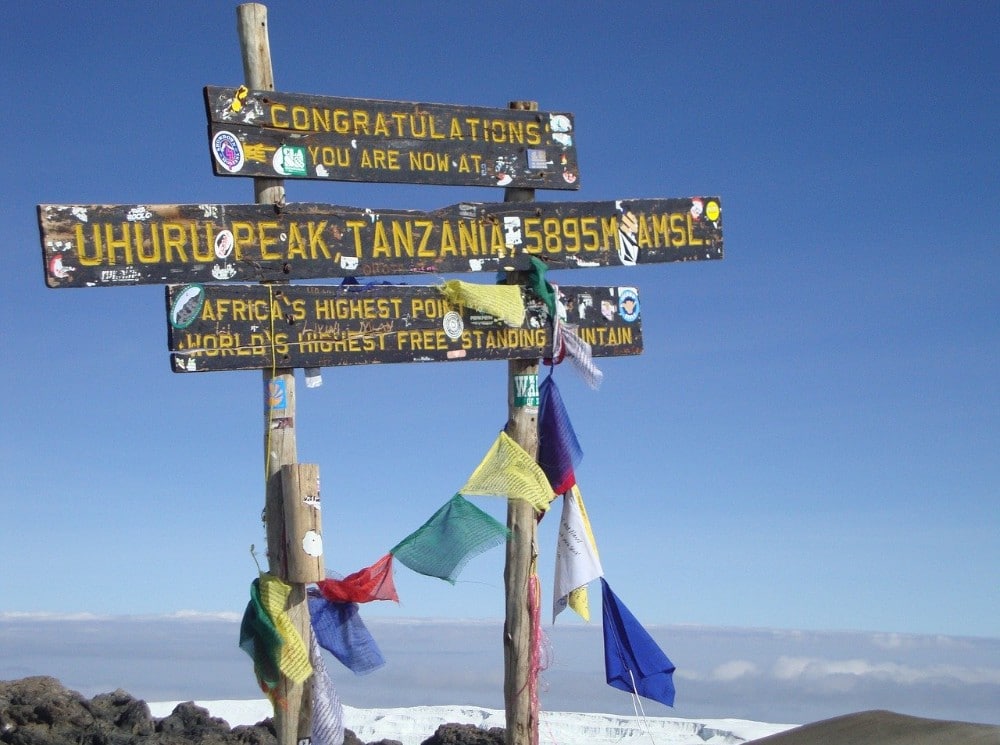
453 325
187 306
712 210
628 304
224 244
228 151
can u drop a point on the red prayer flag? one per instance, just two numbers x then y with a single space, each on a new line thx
371 583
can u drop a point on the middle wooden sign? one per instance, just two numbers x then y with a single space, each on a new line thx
242 327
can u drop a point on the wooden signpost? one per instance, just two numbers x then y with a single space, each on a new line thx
269 136
288 135
111 245
243 327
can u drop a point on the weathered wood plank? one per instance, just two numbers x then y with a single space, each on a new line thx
291 135
114 245
240 327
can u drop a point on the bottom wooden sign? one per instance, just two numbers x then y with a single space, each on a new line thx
244 327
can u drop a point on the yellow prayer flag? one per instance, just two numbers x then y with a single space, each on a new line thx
294 662
578 601
508 471
500 301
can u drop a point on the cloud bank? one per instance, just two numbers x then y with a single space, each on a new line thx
757 674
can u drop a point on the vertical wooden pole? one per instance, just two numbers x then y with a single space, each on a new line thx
292 719
522 549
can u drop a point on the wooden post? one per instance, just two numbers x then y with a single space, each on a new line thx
293 720
303 529
520 682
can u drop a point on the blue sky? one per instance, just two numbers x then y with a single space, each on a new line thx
808 440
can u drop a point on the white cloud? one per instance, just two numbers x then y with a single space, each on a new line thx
735 670
812 668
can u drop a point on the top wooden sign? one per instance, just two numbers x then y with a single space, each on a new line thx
272 134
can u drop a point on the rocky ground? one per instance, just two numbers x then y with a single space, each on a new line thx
41 711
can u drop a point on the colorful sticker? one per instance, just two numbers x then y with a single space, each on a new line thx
277 394
526 391
290 160
57 269
628 304
712 210
228 151
224 243
187 306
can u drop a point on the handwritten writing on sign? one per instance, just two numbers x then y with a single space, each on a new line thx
290 135
112 245
238 327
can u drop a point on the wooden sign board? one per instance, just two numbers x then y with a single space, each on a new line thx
241 327
288 135
114 245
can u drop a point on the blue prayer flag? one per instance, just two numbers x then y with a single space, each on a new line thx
341 632
632 660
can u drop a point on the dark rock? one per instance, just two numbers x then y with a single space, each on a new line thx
40 711
189 718
465 734
352 739
126 713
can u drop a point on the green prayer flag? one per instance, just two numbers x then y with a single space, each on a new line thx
260 639
443 545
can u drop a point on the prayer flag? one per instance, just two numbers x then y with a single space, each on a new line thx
559 452
294 659
260 639
453 535
632 660
327 711
500 301
371 583
541 286
580 353
577 562
339 630
508 471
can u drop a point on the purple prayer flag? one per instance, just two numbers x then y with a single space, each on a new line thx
559 452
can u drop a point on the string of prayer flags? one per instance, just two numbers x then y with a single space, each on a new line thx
508 471
260 639
500 301
577 562
294 658
371 583
559 452
327 711
339 630
633 662
453 535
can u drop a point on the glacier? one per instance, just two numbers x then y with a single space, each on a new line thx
412 725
